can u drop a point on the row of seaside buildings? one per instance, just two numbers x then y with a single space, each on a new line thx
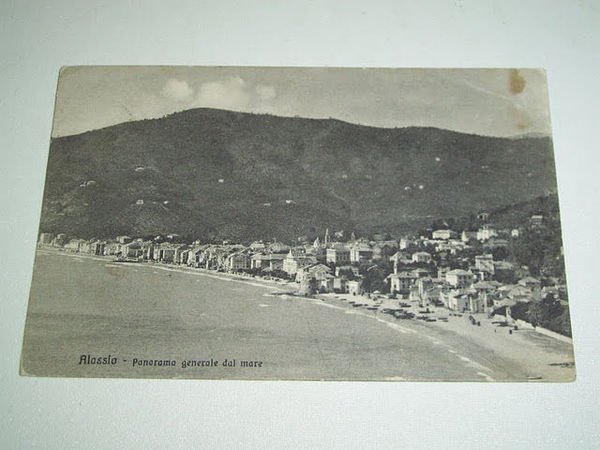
415 271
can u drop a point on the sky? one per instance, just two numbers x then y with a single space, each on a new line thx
492 102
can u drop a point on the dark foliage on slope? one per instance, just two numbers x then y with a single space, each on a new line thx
217 174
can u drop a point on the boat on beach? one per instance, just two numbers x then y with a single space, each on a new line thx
122 259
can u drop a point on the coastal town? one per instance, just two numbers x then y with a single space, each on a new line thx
324 246
461 272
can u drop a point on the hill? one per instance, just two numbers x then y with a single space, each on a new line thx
516 215
220 174
520 213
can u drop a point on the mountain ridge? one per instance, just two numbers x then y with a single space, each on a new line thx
333 119
224 174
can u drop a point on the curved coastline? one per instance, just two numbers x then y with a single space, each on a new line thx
497 356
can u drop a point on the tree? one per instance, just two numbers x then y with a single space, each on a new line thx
548 313
552 307
521 311
562 323
374 280
500 253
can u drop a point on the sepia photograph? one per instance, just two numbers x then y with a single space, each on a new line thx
298 223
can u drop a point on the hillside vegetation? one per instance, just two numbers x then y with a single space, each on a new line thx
212 174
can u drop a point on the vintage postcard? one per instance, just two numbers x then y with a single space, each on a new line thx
300 224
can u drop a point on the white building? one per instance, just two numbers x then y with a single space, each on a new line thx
361 253
459 278
338 255
443 234
486 232
421 257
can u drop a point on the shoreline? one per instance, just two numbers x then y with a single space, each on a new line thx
177 268
541 357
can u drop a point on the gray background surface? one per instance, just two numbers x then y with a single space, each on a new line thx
36 38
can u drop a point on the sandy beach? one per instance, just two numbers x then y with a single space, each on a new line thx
542 357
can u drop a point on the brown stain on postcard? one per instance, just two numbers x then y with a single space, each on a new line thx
523 120
516 85
516 82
